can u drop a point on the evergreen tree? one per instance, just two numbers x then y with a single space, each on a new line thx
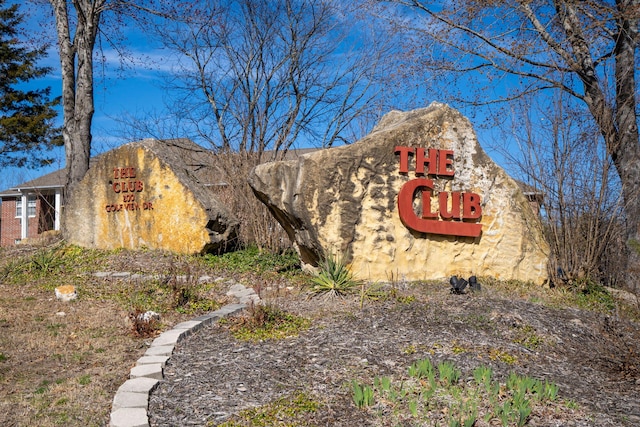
27 127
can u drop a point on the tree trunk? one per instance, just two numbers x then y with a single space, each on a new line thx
627 157
623 143
627 163
76 60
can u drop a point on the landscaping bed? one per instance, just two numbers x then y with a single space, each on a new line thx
216 379
61 363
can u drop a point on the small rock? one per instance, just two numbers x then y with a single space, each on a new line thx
61 313
236 289
66 293
121 275
148 316
102 274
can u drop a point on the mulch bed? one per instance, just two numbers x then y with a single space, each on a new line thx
593 358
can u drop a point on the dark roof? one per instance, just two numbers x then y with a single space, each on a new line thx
191 152
200 160
51 180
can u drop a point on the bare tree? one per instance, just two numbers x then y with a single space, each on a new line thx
257 75
77 25
585 48
569 174
80 25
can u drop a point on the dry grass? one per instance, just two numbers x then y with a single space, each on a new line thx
61 363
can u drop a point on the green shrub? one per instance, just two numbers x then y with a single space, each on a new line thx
288 411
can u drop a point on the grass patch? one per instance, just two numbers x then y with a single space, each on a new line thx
584 294
184 296
49 264
54 328
528 337
502 356
42 387
287 411
257 261
265 322
592 296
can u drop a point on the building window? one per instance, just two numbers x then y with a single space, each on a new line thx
31 206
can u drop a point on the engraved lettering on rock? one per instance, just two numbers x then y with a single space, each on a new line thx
126 184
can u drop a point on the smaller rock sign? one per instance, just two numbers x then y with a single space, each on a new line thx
152 193
416 199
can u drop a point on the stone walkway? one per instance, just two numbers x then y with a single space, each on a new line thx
131 401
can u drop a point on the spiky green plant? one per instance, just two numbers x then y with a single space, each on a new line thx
482 375
422 369
449 374
335 278
362 394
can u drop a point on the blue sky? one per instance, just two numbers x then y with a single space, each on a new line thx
118 92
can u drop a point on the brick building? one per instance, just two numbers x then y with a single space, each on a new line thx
31 208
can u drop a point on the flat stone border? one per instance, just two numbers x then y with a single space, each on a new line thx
242 294
131 402
125 275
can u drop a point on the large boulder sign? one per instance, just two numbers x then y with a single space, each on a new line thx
417 199
154 194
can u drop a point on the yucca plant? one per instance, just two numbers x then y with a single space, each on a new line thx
334 278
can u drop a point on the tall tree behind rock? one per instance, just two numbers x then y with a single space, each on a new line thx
585 48
26 116
77 29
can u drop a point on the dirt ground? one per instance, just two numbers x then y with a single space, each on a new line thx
61 363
